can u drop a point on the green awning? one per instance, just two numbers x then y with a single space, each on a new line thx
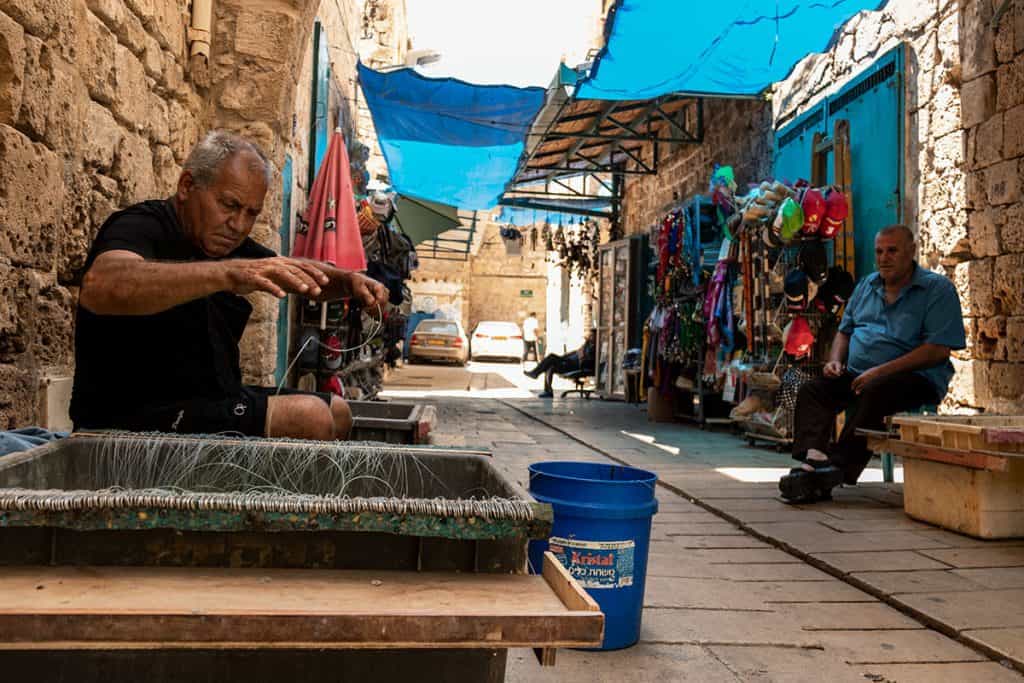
423 220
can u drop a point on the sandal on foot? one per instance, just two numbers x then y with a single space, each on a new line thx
810 487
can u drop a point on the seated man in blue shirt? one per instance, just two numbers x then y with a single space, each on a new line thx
890 355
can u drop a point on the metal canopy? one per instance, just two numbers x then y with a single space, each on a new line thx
604 136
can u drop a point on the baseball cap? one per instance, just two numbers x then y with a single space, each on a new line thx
837 208
792 218
796 290
813 260
813 204
332 385
837 289
798 340
331 352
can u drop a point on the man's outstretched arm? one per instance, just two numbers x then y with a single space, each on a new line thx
121 282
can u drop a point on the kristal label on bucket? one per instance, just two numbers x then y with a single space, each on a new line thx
595 564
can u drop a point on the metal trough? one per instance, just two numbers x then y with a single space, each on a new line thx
405 423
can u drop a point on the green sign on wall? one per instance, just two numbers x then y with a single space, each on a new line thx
526 292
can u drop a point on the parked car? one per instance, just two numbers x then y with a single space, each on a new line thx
439 340
494 339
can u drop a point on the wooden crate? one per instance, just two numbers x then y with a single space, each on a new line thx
976 502
998 433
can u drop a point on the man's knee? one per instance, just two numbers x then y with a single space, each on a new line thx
300 417
342 416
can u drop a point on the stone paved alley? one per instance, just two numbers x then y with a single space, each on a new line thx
742 587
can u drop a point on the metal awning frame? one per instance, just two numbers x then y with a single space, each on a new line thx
611 130
435 248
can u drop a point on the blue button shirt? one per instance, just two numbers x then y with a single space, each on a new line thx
927 311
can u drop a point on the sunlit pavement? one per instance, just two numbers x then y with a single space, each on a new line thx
478 379
741 586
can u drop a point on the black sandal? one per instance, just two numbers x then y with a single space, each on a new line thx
801 486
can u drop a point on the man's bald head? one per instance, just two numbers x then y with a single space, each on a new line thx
894 253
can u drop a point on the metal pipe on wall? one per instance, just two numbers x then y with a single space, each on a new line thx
199 41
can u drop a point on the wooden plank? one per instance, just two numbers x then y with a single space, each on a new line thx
979 503
991 462
545 655
277 608
569 591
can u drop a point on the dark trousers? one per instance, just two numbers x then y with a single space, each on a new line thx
821 399
529 346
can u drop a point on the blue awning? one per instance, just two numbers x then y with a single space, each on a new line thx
657 47
446 140
555 212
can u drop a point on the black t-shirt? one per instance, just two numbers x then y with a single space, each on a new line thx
124 363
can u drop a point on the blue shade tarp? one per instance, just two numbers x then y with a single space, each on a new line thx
445 140
526 216
657 47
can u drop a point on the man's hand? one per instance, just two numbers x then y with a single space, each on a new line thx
367 291
278 276
863 380
833 368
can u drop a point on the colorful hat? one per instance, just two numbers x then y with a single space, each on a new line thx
813 260
836 291
331 352
791 217
813 204
798 339
796 290
836 210
332 385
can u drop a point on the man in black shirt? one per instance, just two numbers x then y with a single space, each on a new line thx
160 314
580 359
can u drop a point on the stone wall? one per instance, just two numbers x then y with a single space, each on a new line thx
97 111
734 134
498 279
487 286
964 91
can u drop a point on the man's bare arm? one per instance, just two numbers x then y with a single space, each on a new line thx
840 348
346 283
121 282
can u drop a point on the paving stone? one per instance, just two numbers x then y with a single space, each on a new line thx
741 492
979 557
689 515
744 556
673 529
754 595
895 647
705 627
818 538
954 540
1001 578
783 513
1009 642
971 609
717 542
731 505
643 662
975 672
898 521
893 560
675 563
928 581
786 665
837 616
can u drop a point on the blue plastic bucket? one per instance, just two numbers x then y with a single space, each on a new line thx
601 532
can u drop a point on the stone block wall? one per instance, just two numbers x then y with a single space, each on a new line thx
988 263
734 134
97 111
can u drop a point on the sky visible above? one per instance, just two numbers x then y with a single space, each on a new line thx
518 42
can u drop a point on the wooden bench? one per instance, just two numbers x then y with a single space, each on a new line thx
964 473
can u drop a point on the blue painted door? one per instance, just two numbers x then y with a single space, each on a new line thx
793 143
286 236
873 104
321 97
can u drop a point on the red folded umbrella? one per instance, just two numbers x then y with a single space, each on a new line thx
328 230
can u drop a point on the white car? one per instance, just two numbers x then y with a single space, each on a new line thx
493 339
